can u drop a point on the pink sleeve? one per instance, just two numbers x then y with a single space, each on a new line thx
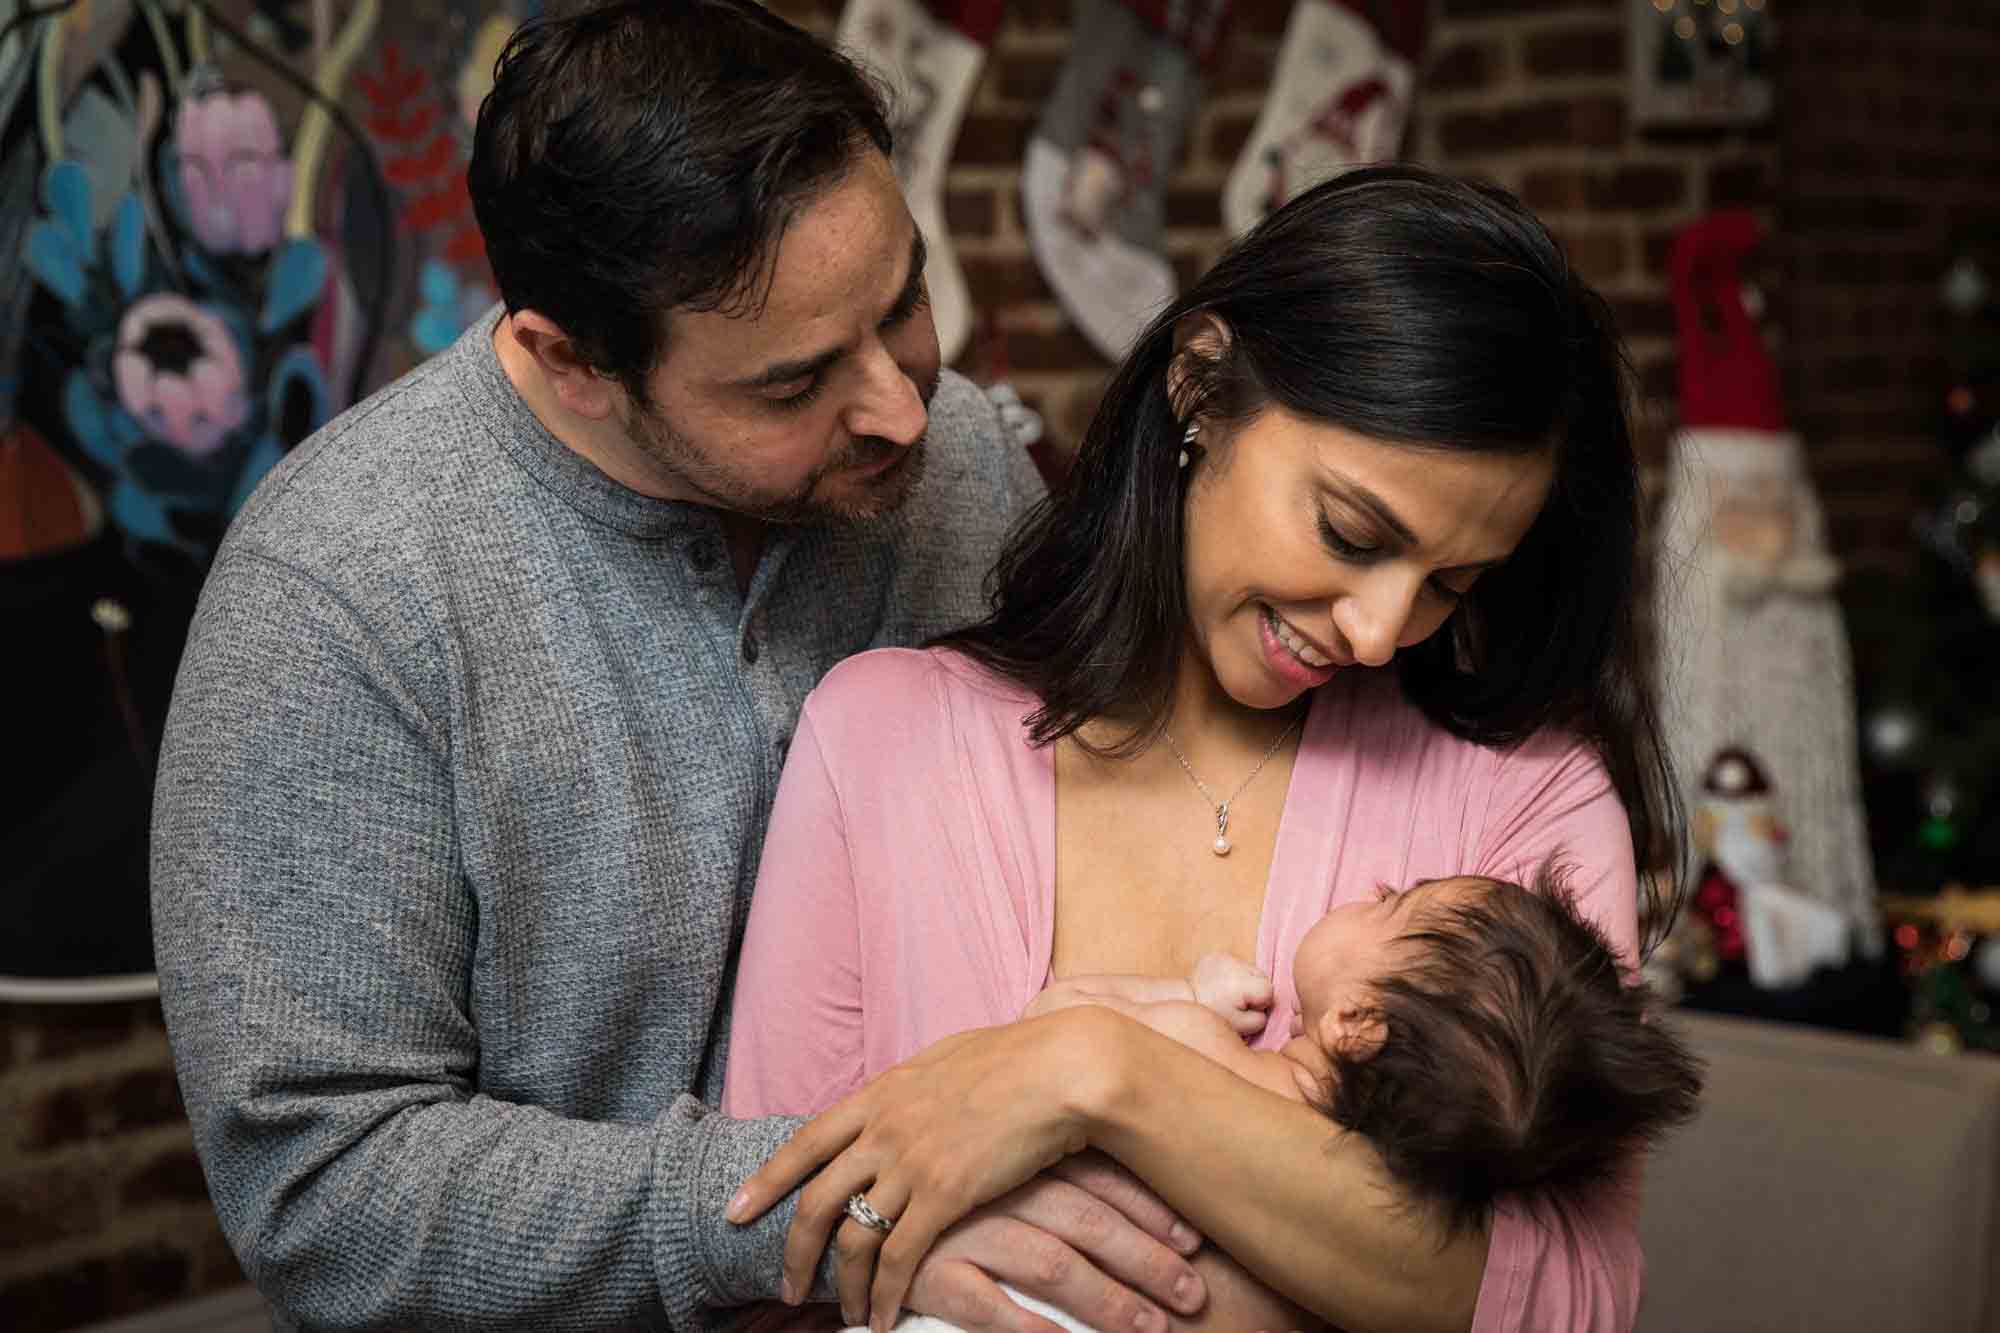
795 1044
1582 1272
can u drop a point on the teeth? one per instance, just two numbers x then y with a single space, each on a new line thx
1302 650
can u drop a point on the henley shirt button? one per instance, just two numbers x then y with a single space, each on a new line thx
702 556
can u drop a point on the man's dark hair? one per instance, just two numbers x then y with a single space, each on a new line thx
1518 1059
639 157
1408 307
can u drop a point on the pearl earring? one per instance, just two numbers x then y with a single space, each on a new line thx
1193 429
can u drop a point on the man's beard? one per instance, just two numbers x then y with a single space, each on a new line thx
875 496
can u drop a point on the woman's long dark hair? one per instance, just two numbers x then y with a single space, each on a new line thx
1405 306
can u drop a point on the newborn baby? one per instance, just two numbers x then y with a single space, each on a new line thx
1480 1035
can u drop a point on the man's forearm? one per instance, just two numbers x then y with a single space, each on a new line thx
384 1211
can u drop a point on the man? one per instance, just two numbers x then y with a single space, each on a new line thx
482 713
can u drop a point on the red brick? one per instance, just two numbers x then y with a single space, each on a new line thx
38 1207
1570 189
1463 65
1026 77
216 1265
1227 133
1565 51
1259 16
993 139
1588 122
1885 536
808 13
1640 317
1194 206
94 1289
998 281
1598 255
1039 14
1242 67
1659 380
1868 211
1063 349
970 212
1657 248
1482 8
1188 268
58 1031
1738 185
102 1107
1914 164
173 1178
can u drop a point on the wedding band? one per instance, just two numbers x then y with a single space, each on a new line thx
864 1212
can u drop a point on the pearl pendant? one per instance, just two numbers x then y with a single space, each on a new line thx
1220 847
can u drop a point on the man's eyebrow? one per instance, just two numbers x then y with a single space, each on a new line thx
913 285
784 372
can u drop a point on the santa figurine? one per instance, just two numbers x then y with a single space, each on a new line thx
1743 901
1752 651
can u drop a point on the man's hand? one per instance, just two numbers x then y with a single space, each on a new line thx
960 1124
1088 1238
1231 987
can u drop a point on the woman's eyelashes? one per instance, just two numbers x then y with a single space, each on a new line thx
1354 552
1341 545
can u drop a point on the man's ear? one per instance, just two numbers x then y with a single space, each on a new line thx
1200 335
1357 1034
577 385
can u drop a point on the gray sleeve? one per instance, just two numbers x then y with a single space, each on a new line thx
314 941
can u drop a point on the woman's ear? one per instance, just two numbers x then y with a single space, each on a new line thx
1200 336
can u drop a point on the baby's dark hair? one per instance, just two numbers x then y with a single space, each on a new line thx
1518 1059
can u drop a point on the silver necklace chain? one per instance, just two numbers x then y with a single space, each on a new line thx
1221 846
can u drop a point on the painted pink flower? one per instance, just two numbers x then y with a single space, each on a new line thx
234 178
179 373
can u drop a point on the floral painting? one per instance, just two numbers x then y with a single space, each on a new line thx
227 220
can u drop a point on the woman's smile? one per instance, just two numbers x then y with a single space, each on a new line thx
1293 658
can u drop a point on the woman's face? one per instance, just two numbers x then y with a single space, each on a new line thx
1311 548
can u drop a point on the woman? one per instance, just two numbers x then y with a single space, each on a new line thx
1339 594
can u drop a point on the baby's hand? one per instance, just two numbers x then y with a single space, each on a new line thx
1231 987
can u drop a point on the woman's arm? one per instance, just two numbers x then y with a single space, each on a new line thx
1308 1209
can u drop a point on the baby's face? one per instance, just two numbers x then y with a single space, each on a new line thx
1357 943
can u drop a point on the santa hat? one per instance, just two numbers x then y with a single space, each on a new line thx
1727 377
1734 775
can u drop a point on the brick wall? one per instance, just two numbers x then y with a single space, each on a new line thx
1890 157
102 1207
1528 93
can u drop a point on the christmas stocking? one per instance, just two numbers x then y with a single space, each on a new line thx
1094 185
1339 98
930 56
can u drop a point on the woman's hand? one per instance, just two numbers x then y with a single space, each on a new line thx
954 1127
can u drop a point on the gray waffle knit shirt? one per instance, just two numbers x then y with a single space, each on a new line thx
457 818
